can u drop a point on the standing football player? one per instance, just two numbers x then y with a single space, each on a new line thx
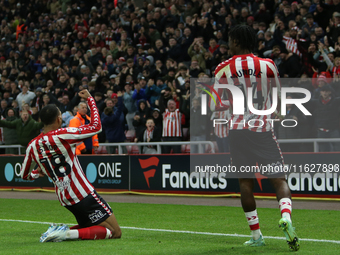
54 151
255 143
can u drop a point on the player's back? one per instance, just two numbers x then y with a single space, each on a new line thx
57 158
54 152
249 71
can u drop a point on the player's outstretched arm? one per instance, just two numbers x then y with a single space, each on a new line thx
74 135
9 124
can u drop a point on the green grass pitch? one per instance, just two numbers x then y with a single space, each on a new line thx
23 238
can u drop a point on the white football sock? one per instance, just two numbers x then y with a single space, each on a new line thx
72 234
253 222
285 205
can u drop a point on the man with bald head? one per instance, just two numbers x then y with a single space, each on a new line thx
172 120
89 145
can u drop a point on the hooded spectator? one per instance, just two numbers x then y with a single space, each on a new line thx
143 113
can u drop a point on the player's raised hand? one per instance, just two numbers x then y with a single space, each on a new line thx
84 94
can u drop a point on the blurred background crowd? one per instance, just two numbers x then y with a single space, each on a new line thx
137 58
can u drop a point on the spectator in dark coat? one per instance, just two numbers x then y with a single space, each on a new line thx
159 51
113 123
66 104
293 113
174 50
143 113
325 111
157 118
10 135
287 15
139 92
290 66
153 90
3 108
197 121
38 81
38 100
150 133
185 42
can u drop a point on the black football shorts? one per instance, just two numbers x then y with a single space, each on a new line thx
249 149
90 211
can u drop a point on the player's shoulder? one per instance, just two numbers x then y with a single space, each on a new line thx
32 142
268 67
268 61
222 65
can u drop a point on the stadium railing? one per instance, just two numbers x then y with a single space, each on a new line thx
200 144
18 146
159 144
315 141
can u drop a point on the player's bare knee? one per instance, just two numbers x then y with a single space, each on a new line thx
117 233
246 186
278 183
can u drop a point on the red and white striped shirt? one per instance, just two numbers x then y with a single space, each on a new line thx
221 111
291 45
336 71
55 153
221 131
2 138
246 71
172 123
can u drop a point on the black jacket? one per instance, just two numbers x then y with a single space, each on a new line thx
144 115
157 135
291 67
325 115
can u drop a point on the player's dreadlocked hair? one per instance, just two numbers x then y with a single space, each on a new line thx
49 114
244 35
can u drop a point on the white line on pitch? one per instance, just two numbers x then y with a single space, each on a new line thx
186 232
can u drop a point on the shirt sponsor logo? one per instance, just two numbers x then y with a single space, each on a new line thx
72 129
62 184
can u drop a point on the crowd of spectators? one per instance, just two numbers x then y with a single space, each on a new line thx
137 61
